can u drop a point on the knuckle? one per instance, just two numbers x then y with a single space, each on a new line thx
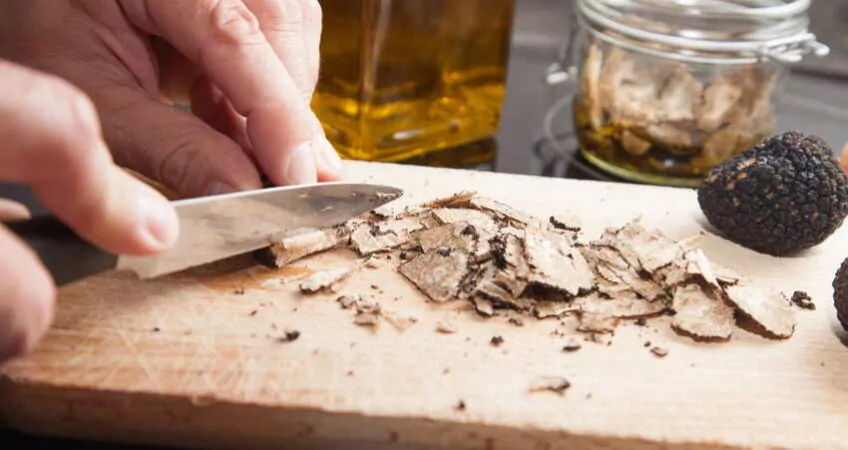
74 127
232 22
281 16
75 106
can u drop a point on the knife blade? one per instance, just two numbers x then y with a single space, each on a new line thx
211 228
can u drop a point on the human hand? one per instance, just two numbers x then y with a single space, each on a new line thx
51 141
248 68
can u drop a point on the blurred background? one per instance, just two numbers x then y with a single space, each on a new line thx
815 98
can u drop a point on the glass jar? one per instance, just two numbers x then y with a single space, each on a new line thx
668 89
405 78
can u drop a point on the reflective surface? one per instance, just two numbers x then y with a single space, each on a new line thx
213 228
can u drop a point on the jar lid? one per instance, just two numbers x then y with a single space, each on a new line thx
708 31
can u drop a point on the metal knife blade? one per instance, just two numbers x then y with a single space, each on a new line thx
217 227
211 228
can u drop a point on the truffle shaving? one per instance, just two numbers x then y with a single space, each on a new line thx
597 323
383 236
700 314
772 312
436 274
555 264
642 249
545 310
325 279
293 248
479 220
484 307
446 237
625 305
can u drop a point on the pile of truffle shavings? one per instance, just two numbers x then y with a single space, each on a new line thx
478 250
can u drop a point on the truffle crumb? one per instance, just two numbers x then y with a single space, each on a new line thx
346 301
516 321
291 335
445 327
497 340
239 290
551 384
803 300
660 352
460 405
572 346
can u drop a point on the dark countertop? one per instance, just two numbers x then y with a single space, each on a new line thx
812 103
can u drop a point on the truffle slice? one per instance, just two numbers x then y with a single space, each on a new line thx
772 312
437 274
460 198
446 238
293 248
482 222
701 315
555 264
590 78
326 278
504 211
489 287
549 309
641 248
372 238
597 323
625 305
484 306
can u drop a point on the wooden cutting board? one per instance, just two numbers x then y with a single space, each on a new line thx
191 360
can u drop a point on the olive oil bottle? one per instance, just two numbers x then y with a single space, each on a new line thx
405 78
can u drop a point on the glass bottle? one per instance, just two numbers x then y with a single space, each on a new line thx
405 78
666 90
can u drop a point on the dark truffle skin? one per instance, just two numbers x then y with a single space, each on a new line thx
786 194
840 294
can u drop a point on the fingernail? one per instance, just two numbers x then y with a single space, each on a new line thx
330 155
302 168
161 222
218 188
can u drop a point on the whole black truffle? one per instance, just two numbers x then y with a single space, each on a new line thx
840 293
786 194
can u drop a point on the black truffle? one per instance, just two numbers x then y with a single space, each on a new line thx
786 194
840 293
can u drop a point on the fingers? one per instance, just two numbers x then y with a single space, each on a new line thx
173 146
224 38
285 25
51 141
209 104
26 297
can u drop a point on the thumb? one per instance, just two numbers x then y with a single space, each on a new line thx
59 152
174 147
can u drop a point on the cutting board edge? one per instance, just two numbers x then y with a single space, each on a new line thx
199 422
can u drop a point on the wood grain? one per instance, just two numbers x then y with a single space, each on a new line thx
188 360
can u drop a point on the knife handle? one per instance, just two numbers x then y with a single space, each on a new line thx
66 256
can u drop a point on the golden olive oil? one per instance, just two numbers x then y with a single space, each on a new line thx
404 78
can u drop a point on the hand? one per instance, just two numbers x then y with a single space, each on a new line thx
50 139
248 68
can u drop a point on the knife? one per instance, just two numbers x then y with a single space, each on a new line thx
211 228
